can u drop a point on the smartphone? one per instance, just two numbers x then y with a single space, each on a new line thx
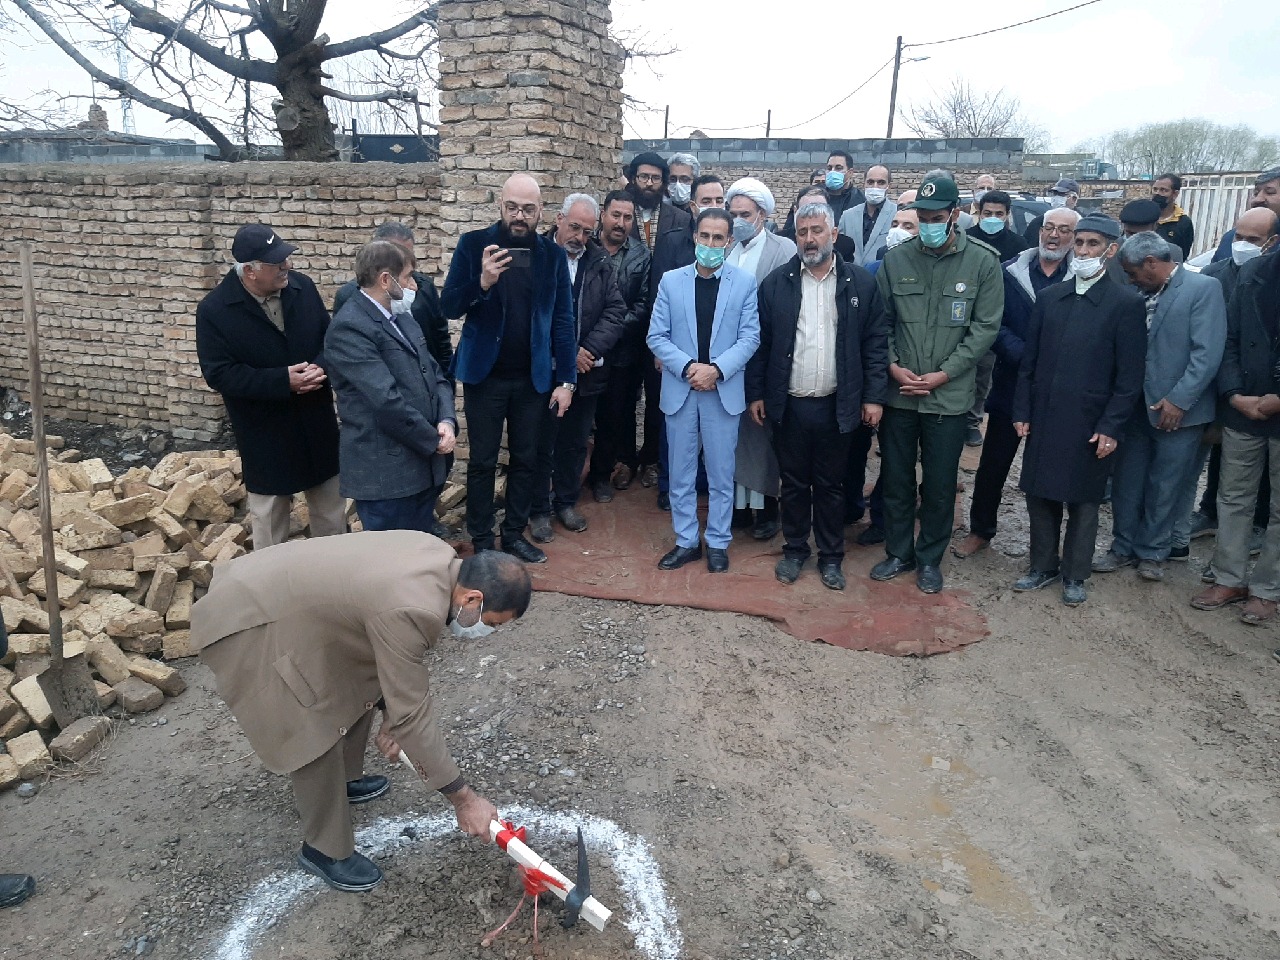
521 257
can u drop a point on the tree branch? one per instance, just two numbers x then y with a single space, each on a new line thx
384 96
375 40
144 18
123 87
230 8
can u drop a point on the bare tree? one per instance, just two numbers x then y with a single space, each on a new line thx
1186 146
202 62
962 111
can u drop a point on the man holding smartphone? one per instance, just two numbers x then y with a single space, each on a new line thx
517 355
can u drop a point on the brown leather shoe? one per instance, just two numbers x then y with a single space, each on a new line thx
621 477
1218 596
1257 611
969 546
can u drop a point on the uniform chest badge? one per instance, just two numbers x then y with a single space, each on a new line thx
961 288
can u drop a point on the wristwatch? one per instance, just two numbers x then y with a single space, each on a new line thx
571 387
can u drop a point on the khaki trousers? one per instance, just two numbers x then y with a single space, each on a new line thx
320 792
269 514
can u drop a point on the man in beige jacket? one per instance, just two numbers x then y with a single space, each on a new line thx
307 638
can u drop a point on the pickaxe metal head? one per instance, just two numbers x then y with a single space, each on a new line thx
581 887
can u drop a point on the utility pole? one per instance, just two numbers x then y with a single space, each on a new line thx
121 27
893 91
768 124
666 120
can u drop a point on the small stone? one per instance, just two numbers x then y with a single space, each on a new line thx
782 860
28 789
637 649
813 896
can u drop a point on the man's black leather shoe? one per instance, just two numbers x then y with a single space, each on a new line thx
540 528
929 579
601 491
355 874
366 789
525 551
664 502
15 887
766 529
832 576
1035 579
571 519
870 536
717 559
678 557
890 567
788 569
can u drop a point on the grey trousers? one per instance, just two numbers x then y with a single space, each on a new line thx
982 387
1046 532
269 514
1243 459
320 792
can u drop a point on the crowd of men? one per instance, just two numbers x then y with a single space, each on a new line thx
766 362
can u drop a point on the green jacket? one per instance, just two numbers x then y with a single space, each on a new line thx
944 313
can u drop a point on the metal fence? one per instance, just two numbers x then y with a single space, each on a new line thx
1214 201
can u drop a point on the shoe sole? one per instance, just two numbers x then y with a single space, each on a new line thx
836 585
572 529
929 590
892 576
1204 533
541 559
1073 603
344 887
365 798
1218 606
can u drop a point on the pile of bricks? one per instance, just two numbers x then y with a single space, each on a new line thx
132 554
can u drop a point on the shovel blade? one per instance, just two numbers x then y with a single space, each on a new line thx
70 691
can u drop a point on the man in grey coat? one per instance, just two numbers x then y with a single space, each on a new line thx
1186 332
868 223
394 401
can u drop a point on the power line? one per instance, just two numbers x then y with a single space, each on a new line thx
879 70
970 36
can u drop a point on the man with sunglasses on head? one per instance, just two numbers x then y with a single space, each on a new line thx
517 355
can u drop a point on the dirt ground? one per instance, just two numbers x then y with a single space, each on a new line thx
1088 784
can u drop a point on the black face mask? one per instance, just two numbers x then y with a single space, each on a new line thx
1161 200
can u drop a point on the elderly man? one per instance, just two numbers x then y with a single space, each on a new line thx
1174 223
1266 193
518 355
683 169
944 296
260 341
614 456
982 185
759 252
307 638
868 223
704 329
1064 193
1186 330
1250 446
398 420
1079 379
821 370
1025 278
601 318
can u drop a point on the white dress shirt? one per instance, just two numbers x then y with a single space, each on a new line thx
813 360
747 255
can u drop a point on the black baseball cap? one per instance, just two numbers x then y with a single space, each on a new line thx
257 241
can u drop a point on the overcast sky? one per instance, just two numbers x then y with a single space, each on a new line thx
1079 75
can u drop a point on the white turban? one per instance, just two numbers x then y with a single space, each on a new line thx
754 190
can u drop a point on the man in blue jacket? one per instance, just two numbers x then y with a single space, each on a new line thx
517 354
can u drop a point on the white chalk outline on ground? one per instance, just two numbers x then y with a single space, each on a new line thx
650 916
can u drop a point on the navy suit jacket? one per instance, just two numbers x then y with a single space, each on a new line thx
735 335
552 329
392 396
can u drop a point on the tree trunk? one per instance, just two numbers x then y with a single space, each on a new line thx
302 116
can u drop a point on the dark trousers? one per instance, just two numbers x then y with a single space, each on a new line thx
937 441
489 405
416 512
654 422
562 452
811 454
616 423
856 502
1209 502
998 453
1046 530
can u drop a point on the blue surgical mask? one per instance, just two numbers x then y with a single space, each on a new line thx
835 180
991 225
934 235
712 258
476 631
743 229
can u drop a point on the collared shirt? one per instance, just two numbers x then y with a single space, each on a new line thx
649 225
391 318
273 306
573 266
813 364
747 255
1153 299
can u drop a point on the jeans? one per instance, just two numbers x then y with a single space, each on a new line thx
1149 484
490 404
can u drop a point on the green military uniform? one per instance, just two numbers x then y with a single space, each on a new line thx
944 312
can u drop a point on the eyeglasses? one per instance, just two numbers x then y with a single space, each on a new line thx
1061 229
529 210
648 178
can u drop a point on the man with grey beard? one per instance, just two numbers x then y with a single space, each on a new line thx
1024 277
821 369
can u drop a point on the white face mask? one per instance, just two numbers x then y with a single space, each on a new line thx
897 235
875 195
476 631
679 191
1242 251
1056 201
1087 267
977 197
404 305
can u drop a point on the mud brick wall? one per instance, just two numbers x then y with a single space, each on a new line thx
123 256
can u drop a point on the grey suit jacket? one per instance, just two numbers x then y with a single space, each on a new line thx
851 226
392 395
1184 347
777 251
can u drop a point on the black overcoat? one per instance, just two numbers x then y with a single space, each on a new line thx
1081 374
288 442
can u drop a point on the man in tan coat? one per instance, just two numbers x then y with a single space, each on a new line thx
307 638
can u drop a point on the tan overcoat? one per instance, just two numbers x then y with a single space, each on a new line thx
306 636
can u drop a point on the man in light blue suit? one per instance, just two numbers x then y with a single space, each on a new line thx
703 330
1186 334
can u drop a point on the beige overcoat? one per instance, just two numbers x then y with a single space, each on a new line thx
306 636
